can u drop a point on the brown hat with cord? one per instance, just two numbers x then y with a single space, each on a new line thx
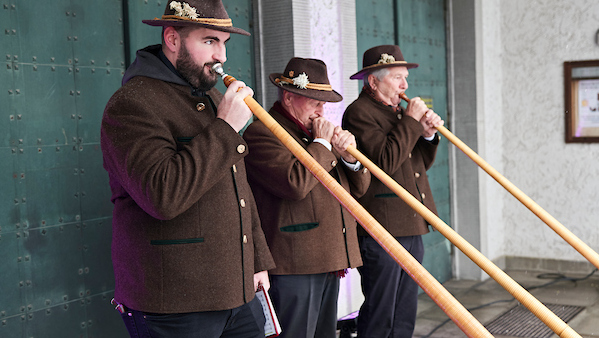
203 13
306 77
381 57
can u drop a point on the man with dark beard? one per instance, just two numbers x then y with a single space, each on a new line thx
188 250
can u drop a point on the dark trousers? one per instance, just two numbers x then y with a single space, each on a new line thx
391 296
241 322
306 304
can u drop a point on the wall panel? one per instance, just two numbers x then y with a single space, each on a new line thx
11 297
421 36
62 61
53 264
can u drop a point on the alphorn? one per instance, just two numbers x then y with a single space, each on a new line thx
535 306
553 223
454 309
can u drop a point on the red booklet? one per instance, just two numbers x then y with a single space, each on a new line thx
272 328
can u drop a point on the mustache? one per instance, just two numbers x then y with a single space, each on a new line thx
210 65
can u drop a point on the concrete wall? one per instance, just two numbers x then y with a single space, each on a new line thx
515 120
537 37
324 30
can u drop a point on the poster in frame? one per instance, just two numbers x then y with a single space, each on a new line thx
581 80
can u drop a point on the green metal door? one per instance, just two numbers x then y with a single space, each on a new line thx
63 59
418 27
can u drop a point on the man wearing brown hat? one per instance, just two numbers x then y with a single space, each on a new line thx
403 143
188 250
311 236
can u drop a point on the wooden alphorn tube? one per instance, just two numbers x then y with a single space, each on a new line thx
537 308
456 311
553 223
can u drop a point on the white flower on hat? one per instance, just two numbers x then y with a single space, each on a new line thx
184 10
386 58
177 7
189 11
301 81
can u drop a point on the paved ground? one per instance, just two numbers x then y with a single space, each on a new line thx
488 300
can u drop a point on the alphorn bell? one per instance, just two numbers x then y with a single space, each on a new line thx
456 311
553 223
524 297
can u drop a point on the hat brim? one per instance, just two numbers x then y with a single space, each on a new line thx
158 22
320 95
360 75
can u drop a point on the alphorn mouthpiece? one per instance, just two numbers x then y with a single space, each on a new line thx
404 97
218 69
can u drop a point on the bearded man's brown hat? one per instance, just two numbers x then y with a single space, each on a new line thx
202 13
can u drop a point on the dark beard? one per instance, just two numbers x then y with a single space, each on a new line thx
193 73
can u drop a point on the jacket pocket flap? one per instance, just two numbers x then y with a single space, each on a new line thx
390 195
299 227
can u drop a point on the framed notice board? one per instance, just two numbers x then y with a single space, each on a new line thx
581 82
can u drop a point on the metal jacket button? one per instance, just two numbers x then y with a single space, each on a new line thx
242 203
245 239
241 148
417 175
200 106
334 163
423 196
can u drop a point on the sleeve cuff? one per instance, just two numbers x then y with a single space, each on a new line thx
430 138
352 166
324 143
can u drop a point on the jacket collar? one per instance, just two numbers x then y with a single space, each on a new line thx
372 95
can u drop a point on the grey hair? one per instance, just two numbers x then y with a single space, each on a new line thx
281 93
378 73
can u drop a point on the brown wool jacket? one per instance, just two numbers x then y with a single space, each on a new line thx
307 229
393 142
186 232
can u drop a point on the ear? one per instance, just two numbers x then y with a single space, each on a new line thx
372 81
287 100
287 97
172 39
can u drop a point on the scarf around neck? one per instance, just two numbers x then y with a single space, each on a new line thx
279 107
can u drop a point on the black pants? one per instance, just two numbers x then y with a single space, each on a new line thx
391 296
306 304
246 321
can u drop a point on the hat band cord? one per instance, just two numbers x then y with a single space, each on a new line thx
315 86
208 21
385 64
